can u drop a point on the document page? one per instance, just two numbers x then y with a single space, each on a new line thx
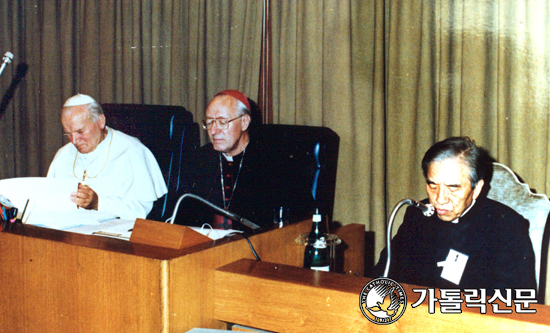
46 202
113 228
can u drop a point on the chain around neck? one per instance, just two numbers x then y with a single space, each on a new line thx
85 174
226 206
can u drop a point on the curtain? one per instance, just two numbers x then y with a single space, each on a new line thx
328 70
467 68
152 52
221 50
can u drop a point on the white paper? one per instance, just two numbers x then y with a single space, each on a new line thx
63 220
47 194
453 266
113 228
49 203
214 234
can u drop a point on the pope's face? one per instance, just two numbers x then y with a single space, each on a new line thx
449 188
232 140
81 131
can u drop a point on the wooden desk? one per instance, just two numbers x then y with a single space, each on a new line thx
57 281
282 298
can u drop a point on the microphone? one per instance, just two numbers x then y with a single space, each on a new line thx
8 57
427 210
223 212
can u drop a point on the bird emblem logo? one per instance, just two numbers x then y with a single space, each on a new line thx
383 301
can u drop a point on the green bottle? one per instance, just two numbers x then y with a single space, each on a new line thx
317 253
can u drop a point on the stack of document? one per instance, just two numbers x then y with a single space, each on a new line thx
46 202
114 228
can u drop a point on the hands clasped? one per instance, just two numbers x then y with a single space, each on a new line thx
85 197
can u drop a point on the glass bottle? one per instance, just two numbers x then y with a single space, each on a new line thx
317 253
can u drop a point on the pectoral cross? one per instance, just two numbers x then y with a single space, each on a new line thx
84 177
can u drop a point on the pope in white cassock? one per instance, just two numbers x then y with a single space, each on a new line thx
118 174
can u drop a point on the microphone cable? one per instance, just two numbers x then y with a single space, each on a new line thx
249 244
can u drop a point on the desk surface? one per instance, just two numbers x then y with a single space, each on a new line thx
59 281
117 245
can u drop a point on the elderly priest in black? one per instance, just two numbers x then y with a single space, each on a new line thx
472 242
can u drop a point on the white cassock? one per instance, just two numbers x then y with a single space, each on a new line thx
121 170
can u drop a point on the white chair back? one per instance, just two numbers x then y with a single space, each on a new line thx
506 188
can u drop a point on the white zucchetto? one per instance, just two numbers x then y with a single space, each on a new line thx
79 99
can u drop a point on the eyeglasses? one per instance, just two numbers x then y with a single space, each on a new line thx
221 123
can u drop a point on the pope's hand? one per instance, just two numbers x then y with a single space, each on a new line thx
85 197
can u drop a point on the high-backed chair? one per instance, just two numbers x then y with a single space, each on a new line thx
293 146
506 188
168 131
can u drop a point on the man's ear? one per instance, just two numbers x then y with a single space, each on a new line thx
245 121
478 188
101 121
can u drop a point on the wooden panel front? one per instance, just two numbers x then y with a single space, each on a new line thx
283 298
50 286
192 276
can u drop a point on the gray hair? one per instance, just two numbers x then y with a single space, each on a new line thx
94 110
242 109
463 148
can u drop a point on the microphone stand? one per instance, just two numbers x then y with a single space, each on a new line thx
428 210
223 212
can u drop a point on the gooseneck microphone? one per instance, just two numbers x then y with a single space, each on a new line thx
427 210
8 57
226 213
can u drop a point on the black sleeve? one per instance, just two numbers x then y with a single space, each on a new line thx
515 266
